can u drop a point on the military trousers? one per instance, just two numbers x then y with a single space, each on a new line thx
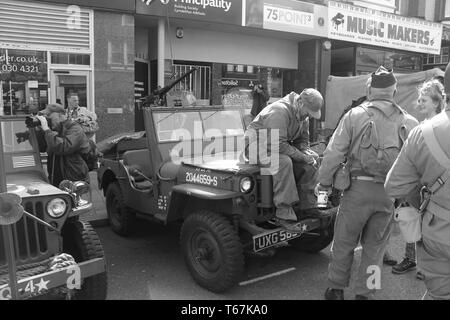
365 215
433 258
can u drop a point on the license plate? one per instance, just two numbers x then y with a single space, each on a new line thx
270 239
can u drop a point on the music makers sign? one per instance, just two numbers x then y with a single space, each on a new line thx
224 11
368 26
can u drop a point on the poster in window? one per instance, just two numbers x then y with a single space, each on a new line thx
23 65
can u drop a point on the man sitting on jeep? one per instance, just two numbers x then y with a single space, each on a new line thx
295 173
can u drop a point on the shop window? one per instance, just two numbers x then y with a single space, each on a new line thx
443 58
23 81
70 58
368 59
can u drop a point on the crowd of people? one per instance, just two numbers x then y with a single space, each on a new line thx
391 162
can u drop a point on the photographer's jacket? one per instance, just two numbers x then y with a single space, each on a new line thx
65 149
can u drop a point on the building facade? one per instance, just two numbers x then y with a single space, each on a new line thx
111 53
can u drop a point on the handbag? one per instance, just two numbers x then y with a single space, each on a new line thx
342 178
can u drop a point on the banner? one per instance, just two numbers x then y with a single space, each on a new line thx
220 11
287 16
368 26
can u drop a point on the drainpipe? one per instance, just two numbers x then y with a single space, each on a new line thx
161 51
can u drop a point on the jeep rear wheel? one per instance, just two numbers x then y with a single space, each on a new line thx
212 250
121 218
83 244
316 241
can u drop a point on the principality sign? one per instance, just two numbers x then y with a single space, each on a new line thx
221 11
287 16
368 26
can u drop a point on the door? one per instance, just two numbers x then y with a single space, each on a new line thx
64 83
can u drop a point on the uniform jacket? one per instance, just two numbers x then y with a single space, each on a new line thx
293 133
346 140
415 167
65 149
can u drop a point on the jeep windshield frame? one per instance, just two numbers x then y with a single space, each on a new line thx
20 147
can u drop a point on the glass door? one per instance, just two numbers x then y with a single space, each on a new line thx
65 83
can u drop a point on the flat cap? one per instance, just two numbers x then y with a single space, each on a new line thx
52 108
313 101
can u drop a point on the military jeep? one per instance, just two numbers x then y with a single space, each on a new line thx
53 252
185 167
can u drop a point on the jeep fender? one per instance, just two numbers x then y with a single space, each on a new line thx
190 197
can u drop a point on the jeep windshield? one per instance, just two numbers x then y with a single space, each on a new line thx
197 125
15 136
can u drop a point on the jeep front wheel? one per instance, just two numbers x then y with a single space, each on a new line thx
212 250
121 218
82 242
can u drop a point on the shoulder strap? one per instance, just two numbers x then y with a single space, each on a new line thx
433 145
438 154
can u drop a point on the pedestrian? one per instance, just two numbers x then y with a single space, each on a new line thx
423 163
296 162
260 98
365 212
65 143
430 103
86 118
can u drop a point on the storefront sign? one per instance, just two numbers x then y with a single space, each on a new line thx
368 26
286 15
220 11
22 65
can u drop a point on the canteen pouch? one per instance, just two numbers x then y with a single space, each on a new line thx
410 223
342 178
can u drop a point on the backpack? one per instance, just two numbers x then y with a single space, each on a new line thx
91 157
382 140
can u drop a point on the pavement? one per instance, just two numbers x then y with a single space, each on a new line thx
98 216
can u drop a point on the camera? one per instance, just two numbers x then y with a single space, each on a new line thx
33 122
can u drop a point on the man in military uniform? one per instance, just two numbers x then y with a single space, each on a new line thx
424 161
365 212
297 163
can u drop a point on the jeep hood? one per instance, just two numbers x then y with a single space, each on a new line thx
227 162
29 183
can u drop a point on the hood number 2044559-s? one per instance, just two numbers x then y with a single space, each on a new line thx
201 178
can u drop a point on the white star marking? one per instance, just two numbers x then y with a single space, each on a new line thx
304 228
42 285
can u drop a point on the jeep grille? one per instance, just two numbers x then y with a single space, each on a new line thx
30 237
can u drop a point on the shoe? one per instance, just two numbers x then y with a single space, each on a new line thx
334 294
387 259
420 275
405 266
361 297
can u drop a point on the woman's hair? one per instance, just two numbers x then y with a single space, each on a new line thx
435 90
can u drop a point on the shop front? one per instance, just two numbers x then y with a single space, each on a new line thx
365 38
234 46
45 56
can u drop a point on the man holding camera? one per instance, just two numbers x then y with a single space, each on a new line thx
65 143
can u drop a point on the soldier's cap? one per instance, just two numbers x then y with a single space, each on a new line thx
447 80
52 108
313 102
383 78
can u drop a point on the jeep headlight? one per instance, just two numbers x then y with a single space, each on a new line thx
56 208
246 185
